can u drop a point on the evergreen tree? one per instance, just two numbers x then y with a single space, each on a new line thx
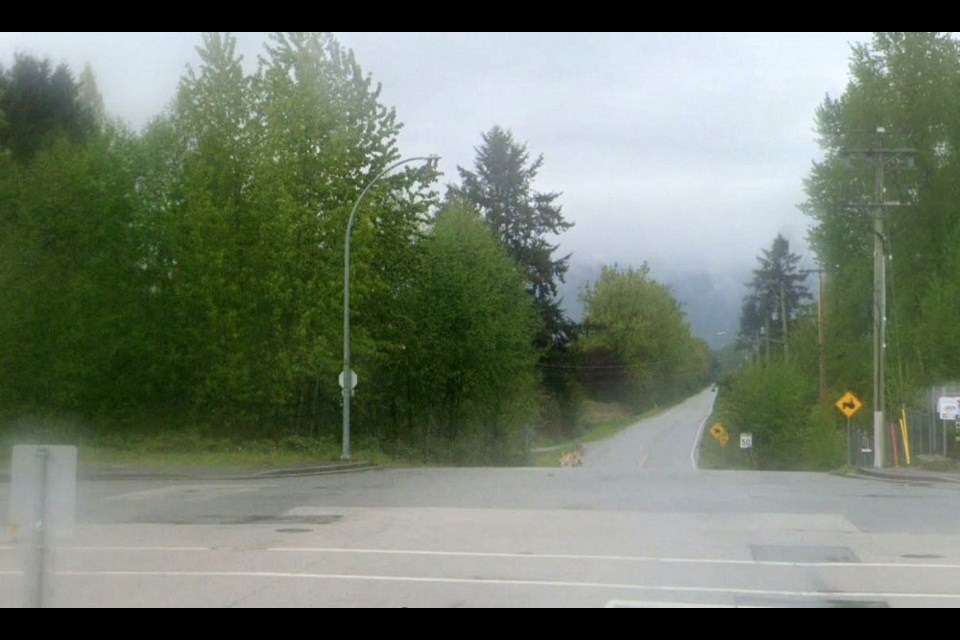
777 291
501 188
40 104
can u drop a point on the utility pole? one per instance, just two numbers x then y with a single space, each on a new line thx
878 154
783 317
879 309
821 345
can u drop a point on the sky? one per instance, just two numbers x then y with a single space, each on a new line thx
686 151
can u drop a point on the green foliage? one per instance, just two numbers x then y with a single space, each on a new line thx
197 269
637 336
906 83
501 188
470 388
40 104
771 402
776 293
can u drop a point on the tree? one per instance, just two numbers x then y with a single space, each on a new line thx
905 83
40 104
634 324
246 185
501 188
470 383
777 291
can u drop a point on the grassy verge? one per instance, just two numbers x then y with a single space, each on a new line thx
191 448
936 463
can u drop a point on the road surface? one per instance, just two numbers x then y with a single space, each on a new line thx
637 526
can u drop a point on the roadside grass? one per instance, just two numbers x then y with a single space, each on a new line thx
714 455
935 463
193 447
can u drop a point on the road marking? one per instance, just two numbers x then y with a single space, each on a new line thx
514 582
657 604
532 556
696 443
113 549
642 462
649 559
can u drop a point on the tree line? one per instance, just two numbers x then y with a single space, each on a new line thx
191 273
899 103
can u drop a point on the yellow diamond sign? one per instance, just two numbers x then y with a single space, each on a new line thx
849 404
718 432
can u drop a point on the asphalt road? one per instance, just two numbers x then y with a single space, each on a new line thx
637 526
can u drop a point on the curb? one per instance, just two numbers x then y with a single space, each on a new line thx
929 476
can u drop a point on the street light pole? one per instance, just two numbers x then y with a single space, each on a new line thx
347 372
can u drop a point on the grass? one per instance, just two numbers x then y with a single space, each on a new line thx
935 463
193 448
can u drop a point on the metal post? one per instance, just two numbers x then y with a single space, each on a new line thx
39 533
347 372
943 425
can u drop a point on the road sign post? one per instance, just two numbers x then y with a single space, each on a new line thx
43 490
848 405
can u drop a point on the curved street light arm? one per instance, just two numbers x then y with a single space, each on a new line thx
347 373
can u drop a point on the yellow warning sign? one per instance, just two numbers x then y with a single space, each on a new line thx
849 404
718 432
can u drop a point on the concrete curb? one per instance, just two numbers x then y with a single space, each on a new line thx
908 476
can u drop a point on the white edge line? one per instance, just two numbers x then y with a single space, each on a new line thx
497 581
111 549
529 556
649 559
696 444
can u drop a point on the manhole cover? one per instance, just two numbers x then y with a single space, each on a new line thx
293 530
921 556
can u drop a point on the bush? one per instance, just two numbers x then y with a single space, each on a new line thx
771 401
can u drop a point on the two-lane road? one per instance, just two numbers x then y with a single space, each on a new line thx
665 442
638 525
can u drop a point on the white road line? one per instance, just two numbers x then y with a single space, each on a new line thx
643 460
497 581
529 556
649 559
696 443
112 549
656 604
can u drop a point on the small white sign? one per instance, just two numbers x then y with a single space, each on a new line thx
746 440
353 380
948 408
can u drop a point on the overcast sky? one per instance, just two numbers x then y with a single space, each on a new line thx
684 150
